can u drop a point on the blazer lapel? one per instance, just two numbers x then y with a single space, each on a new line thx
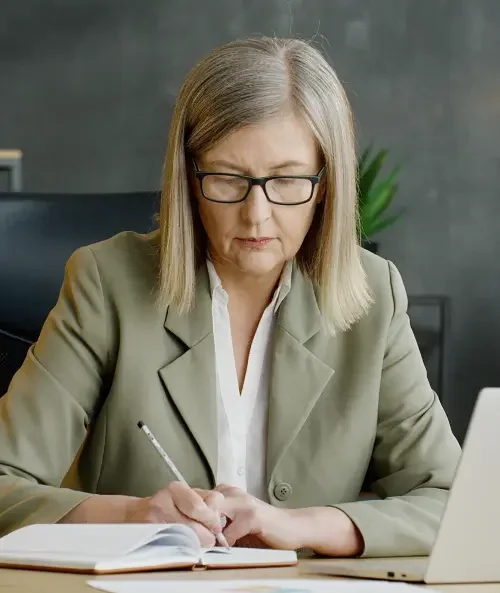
190 378
298 377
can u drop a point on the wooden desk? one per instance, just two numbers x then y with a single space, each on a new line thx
24 581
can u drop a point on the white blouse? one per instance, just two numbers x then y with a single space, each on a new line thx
242 418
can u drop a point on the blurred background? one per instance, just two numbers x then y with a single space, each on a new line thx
87 89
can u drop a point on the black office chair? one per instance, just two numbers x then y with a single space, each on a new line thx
38 233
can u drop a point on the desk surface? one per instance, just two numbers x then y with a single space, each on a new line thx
24 581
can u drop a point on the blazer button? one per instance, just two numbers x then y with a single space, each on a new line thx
283 491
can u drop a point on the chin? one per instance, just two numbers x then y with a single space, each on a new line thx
258 263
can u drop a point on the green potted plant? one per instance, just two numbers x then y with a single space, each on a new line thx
375 196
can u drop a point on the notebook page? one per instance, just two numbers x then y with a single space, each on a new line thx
247 557
142 559
102 540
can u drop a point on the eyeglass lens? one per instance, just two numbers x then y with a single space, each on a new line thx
228 188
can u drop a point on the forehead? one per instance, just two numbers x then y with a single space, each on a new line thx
267 144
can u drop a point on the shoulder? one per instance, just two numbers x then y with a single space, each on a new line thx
123 261
385 284
127 247
361 349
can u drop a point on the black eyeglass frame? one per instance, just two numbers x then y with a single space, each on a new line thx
261 181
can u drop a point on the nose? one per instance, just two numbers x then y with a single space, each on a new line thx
256 208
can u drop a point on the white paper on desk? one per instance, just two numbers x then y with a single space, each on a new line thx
251 586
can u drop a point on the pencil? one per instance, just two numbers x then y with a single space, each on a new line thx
219 536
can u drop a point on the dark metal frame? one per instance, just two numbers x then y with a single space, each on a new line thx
13 168
442 303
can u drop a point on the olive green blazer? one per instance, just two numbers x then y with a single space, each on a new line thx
345 413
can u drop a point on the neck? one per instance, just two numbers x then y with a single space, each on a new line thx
255 290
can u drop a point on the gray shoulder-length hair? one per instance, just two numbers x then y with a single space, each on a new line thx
245 82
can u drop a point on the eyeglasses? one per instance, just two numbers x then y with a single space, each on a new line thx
230 188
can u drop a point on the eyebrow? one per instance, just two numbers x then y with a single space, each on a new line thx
234 167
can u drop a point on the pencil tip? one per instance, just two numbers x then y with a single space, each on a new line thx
140 424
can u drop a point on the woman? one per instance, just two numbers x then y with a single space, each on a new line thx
271 356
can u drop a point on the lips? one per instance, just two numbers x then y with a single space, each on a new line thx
254 241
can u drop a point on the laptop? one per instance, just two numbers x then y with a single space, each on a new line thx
467 546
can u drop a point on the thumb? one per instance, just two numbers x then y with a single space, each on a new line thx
240 526
215 501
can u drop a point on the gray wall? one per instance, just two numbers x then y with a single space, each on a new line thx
87 87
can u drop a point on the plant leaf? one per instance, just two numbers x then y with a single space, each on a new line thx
363 160
388 181
379 200
369 175
379 225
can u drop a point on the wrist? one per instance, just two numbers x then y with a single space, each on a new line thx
99 508
305 525
327 531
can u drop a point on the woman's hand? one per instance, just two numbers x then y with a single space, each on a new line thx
253 523
178 503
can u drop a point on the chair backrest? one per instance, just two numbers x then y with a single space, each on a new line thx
13 350
38 233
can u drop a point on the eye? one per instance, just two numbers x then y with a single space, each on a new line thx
234 181
285 181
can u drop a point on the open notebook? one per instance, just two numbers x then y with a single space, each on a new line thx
99 549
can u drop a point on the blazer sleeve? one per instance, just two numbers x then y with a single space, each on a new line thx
415 454
46 411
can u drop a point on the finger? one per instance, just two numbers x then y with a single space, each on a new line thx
206 537
233 499
228 490
163 508
202 492
192 505
242 525
214 500
231 505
